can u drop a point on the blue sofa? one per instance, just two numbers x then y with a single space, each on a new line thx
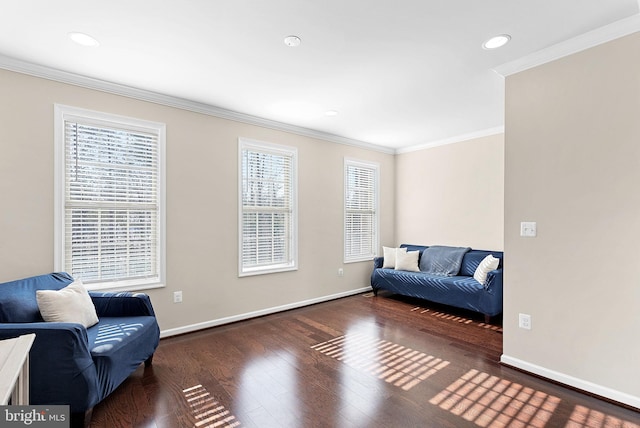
461 291
73 365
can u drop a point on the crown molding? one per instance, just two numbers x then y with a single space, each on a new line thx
36 70
579 43
453 140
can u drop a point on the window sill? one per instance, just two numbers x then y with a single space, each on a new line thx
364 259
264 271
116 286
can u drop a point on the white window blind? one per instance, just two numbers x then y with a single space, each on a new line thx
267 208
360 211
111 231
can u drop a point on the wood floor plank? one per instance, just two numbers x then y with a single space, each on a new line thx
361 361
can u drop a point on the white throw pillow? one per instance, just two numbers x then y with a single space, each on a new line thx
407 260
487 265
389 255
70 304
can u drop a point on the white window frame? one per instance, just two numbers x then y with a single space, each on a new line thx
63 113
375 169
292 241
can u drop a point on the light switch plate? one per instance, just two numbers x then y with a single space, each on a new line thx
528 229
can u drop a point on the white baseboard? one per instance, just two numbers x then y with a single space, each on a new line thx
255 314
574 382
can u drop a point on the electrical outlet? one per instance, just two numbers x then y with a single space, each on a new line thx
340 272
177 297
524 321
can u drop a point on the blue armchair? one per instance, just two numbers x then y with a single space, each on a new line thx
73 365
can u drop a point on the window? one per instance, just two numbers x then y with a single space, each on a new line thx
360 210
109 199
268 214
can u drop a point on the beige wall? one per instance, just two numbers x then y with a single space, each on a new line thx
452 194
202 237
572 149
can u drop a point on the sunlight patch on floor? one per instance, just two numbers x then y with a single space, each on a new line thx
455 318
584 417
395 364
492 402
208 412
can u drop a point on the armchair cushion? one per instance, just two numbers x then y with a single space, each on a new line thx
118 345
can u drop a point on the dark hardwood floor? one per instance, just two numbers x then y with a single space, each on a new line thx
361 361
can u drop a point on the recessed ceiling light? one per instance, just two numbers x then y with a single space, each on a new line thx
292 41
84 39
496 41
331 113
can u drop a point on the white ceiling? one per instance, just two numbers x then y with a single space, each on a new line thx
400 73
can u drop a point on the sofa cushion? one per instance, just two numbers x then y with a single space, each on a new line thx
389 261
407 261
450 290
69 304
18 298
488 264
411 247
473 258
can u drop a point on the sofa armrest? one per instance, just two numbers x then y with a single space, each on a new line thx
61 369
493 284
61 342
378 262
121 304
